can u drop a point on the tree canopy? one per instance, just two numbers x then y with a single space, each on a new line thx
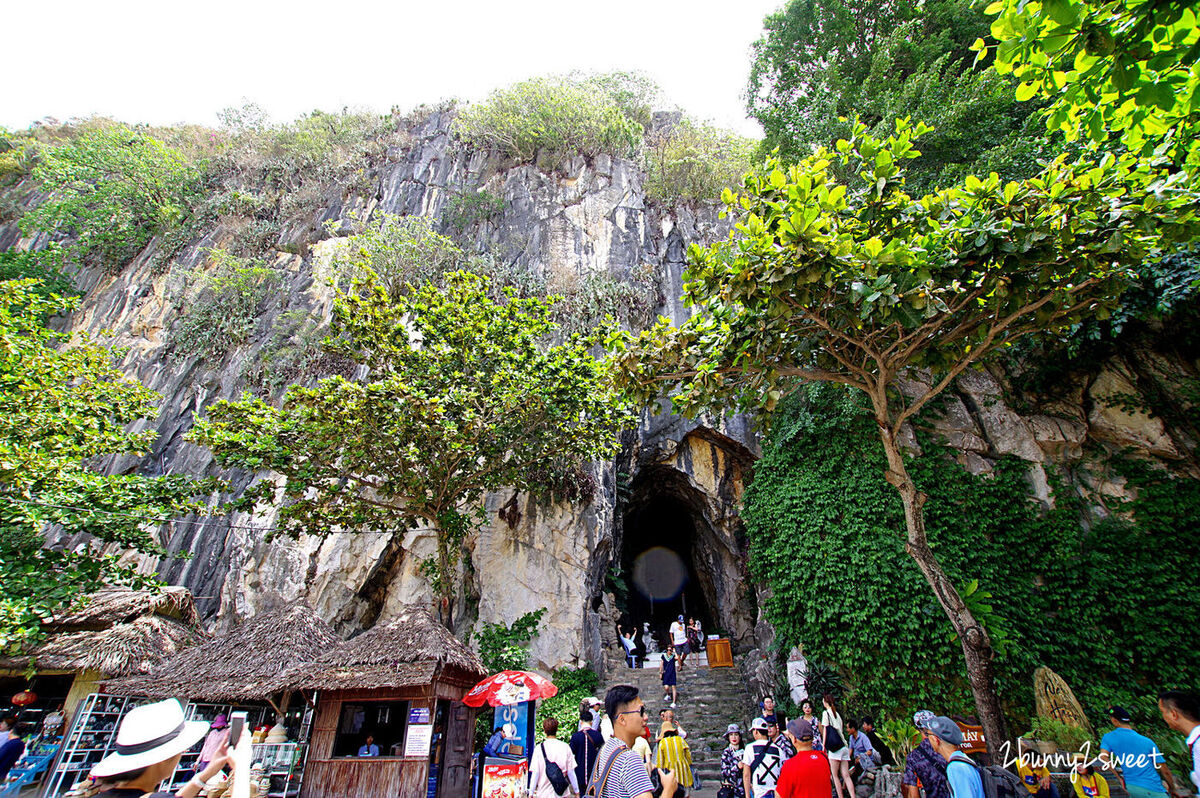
821 63
112 188
464 394
1124 71
64 403
859 283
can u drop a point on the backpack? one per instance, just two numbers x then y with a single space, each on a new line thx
595 787
997 782
554 774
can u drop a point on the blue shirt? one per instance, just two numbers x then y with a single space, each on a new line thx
1137 755
861 748
963 777
10 752
369 750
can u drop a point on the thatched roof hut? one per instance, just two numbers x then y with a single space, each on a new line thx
411 649
248 663
117 632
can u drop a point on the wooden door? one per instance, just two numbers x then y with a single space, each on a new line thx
455 778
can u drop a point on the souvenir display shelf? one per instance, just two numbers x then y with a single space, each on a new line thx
187 763
283 764
91 738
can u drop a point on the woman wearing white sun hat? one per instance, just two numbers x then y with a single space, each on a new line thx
150 742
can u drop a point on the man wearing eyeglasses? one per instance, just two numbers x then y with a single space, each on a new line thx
924 768
619 772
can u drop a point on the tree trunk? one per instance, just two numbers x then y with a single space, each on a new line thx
976 645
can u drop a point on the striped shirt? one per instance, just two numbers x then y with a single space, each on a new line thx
628 778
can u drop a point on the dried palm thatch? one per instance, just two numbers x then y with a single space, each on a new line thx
117 632
246 664
411 649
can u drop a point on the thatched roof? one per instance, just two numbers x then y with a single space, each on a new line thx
411 649
117 632
247 663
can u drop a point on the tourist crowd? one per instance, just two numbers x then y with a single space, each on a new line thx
614 754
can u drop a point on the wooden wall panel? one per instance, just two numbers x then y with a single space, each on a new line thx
365 778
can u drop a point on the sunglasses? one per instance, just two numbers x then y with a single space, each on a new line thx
640 711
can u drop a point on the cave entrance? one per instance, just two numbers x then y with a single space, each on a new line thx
664 553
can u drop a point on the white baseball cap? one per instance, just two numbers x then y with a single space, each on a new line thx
151 734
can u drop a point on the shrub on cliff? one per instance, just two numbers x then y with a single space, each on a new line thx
695 161
553 118
112 188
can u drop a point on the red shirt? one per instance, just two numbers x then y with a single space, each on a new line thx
806 775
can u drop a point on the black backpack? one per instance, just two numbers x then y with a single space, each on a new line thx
997 782
554 774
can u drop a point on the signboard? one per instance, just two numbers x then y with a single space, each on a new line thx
503 779
417 738
418 715
1055 700
973 739
519 716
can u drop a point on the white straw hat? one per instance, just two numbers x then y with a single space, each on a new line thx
151 734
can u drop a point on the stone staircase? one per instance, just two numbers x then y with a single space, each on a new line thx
709 700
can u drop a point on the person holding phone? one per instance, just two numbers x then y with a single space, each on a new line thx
150 742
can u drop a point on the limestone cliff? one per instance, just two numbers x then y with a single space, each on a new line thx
586 216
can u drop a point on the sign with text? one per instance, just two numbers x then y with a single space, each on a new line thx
973 739
417 739
418 715
517 715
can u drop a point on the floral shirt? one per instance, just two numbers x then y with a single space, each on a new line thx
925 765
731 770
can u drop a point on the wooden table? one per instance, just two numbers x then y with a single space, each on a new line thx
720 655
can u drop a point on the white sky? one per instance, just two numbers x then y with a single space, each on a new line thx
164 62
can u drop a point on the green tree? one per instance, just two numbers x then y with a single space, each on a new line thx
1121 70
821 63
112 188
61 407
503 647
463 396
859 285
822 522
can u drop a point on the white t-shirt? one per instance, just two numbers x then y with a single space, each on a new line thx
678 634
763 777
829 719
560 754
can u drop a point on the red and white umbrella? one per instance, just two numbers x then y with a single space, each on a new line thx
510 687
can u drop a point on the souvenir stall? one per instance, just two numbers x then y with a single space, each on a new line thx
243 670
389 718
116 632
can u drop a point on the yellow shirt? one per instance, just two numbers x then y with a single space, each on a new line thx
1093 786
674 754
1031 777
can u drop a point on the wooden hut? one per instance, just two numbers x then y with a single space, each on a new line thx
402 683
116 632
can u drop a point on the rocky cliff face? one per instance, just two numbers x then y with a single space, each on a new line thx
586 216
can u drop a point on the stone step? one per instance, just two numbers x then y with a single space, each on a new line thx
708 701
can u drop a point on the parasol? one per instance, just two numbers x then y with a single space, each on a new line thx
510 687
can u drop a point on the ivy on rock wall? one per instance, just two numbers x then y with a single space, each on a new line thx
1107 607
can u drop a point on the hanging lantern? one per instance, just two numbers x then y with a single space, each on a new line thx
24 698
